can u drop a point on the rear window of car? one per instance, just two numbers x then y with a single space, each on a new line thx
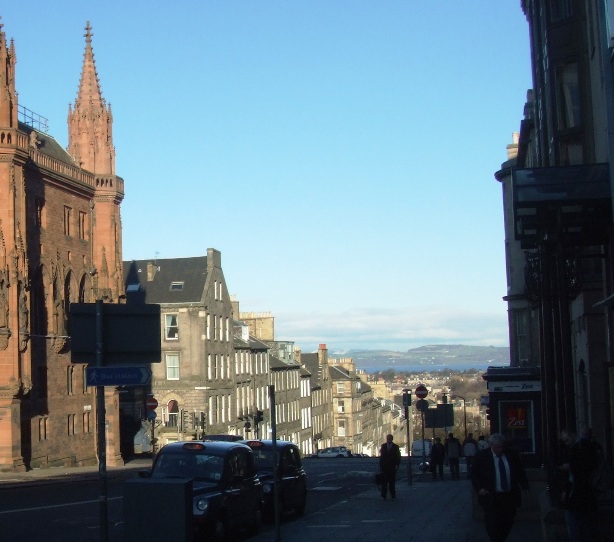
196 466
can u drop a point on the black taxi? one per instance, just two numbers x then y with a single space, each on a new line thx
226 490
291 477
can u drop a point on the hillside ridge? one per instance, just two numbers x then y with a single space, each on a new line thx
437 355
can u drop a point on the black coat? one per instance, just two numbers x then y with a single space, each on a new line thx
483 475
389 460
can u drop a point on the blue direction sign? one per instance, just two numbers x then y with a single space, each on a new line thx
117 376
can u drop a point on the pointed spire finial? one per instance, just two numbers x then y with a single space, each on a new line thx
88 33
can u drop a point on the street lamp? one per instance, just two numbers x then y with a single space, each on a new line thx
464 410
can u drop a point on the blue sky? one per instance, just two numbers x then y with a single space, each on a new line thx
339 153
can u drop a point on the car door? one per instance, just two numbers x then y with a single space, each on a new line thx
234 502
292 482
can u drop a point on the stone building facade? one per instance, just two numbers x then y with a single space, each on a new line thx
60 242
197 371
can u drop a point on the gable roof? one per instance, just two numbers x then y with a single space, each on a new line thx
188 275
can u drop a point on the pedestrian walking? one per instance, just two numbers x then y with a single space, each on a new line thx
389 462
453 454
438 455
497 475
470 448
578 459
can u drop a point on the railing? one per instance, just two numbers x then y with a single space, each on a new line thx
32 119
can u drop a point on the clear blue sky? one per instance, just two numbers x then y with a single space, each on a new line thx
339 153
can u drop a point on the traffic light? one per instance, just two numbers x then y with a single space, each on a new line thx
184 420
203 421
193 423
258 417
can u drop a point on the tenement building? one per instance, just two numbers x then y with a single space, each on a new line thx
557 195
60 242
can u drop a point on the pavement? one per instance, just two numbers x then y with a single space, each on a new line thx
426 510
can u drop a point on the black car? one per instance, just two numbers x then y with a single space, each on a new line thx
291 477
226 491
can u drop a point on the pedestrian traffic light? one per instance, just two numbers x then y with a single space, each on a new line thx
203 421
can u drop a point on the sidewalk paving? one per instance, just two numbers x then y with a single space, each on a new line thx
423 511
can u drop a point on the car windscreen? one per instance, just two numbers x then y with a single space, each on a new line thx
202 467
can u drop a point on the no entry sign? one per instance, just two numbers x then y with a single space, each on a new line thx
421 391
151 403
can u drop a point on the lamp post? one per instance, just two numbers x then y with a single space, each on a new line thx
464 410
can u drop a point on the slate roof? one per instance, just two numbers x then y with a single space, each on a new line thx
191 272
276 363
310 361
47 144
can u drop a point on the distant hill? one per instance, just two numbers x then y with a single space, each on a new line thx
431 357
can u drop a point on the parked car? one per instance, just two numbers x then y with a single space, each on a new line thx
335 451
291 477
226 490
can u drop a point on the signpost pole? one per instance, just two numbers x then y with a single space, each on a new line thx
100 422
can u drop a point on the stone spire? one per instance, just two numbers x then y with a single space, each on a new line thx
90 121
8 95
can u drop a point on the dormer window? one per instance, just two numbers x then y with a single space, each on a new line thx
176 286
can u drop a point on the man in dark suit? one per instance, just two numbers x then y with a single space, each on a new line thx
498 476
389 462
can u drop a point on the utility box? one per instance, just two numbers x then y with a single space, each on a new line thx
157 510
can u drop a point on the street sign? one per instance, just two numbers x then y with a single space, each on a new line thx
130 333
421 391
117 376
151 415
151 403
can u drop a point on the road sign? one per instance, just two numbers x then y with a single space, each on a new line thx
130 333
117 376
421 391
151 403
151 415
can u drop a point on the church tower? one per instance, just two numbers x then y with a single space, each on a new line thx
90 143
60 243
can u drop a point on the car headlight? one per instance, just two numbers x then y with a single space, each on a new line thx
202 504
267 488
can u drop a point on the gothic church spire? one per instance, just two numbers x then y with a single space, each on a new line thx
8 95
90 121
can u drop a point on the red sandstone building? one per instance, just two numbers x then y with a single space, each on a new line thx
60 242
